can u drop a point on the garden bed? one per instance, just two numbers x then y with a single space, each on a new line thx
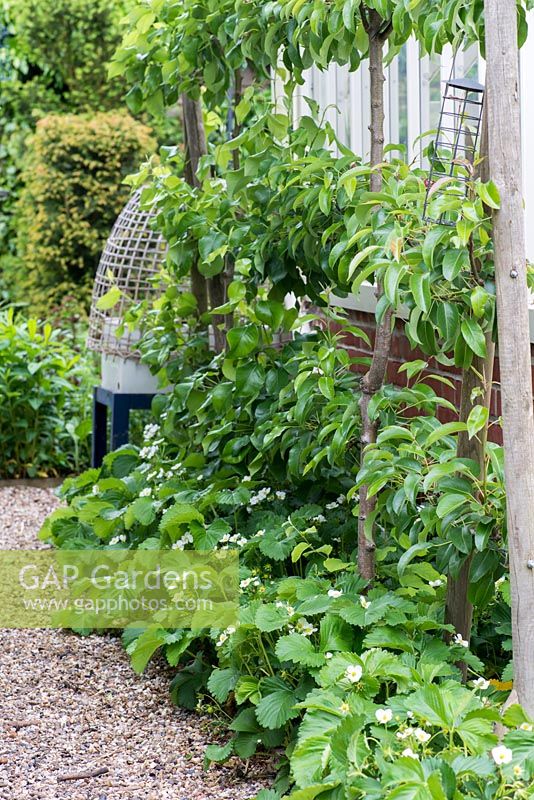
72 704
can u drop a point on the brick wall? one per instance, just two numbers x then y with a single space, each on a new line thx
401 352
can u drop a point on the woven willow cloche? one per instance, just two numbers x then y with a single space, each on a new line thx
131 261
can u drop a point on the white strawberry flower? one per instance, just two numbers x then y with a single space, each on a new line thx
458 639
436 583
328 655
481 683
384 715
335 593
421 735
260 496
409 753
525 726
305 628
353 673
405 733
344 708
364 602
502 755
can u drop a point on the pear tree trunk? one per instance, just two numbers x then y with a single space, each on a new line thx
374 378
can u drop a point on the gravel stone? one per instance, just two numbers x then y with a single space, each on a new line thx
70 704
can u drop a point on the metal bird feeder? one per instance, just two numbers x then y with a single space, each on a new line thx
454 149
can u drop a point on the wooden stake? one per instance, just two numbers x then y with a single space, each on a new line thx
196 147
504 129
213 289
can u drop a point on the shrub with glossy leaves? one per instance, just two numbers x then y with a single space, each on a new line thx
45 401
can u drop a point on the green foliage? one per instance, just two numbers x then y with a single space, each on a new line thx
431 502
72 195
263 467
68 60
336 31
258 449
172 48
48 66
313 661
223 427
428 741
45 402
346 234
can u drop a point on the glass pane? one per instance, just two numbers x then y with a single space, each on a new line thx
403 97
434 92
470 62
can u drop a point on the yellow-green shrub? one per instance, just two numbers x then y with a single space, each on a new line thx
72 193
54 61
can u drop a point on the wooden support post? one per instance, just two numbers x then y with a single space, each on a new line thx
504 135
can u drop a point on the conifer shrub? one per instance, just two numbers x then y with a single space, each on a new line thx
73 191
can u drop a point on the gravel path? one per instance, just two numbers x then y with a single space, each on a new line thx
70 704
